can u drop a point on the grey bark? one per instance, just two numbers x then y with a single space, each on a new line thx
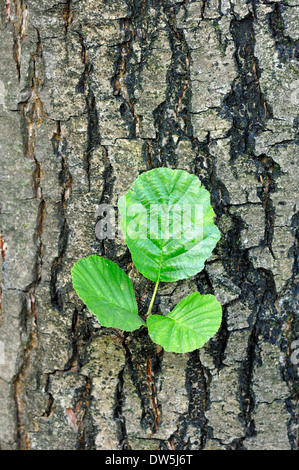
91 94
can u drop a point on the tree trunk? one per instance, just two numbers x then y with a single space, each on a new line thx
92 93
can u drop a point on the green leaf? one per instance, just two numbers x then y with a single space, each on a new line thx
107 291
189 326
167 222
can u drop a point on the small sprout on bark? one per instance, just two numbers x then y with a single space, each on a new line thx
168 225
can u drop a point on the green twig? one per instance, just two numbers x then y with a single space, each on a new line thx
153 299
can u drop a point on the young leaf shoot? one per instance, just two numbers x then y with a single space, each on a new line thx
168 225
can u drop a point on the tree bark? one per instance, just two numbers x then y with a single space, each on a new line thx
92 93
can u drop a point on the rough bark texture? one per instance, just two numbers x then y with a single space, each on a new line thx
92 93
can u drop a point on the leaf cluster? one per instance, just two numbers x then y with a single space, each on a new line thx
168 225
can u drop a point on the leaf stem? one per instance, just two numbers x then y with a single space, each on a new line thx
153 299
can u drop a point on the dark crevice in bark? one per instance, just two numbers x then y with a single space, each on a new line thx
287 47
149 155
106 245
246 101
80 415
205 170
108 178
197 384
19 27
74 361
84 86
56 295
50 408
246 376
219 345
93 140
265 314
67 15
124 79
271 172
176 104
118 416
85 427
144 365
203 7
60 150
151 368
38 238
